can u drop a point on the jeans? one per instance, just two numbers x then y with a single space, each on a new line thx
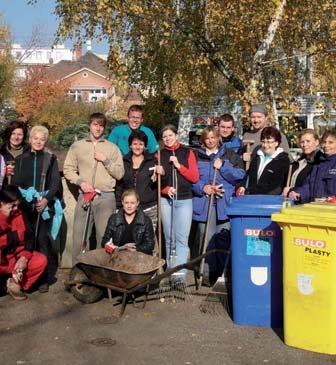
182 215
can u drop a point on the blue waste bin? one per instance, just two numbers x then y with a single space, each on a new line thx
256 244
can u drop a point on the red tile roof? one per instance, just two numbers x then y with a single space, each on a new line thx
90 61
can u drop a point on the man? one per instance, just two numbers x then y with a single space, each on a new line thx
93 163
120 134
226 130
258 117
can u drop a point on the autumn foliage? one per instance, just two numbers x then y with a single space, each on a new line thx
7 66
188 49
37 91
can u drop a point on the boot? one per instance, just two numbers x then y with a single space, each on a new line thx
44 287
43 282
14 290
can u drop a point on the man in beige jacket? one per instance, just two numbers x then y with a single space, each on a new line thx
93 163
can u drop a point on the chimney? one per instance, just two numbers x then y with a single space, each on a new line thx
77 54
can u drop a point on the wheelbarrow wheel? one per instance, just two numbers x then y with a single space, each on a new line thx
83 292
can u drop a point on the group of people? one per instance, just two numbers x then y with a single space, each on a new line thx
118 181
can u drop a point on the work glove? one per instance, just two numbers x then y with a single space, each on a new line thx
110 247
20 266
88 197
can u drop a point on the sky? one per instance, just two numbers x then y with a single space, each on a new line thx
23 18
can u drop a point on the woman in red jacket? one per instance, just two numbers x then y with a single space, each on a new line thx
180 172
17 256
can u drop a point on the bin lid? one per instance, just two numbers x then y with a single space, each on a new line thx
254 205
313 214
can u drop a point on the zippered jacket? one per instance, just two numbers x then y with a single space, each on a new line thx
321 182
229 175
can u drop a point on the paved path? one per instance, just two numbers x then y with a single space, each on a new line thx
55 328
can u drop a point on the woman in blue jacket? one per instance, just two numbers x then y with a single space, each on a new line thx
321 182
230 170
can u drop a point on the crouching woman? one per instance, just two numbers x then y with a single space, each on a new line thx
17 258
130 226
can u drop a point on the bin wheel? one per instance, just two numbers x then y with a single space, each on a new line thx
84 293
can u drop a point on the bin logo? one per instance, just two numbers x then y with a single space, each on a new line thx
304 283
259 232
309 243
259 242
259 275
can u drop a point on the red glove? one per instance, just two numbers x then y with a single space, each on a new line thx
88 197
109 247
240 191
331 199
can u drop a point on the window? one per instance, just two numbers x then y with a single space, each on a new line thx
75 95
97 94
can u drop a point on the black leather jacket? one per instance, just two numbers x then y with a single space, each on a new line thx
143 233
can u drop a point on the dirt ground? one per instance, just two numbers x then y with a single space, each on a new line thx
55 328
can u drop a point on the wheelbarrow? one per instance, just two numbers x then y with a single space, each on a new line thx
124 272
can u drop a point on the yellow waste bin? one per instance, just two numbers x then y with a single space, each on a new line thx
309 276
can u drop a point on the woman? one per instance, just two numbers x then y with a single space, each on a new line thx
129 226
321 182
309 143
14 137
36 173
228 166
229 172
269 166
139 174
180 172
18 258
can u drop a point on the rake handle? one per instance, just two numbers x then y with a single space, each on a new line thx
206 232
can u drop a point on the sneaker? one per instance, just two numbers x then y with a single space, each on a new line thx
43 288
14 290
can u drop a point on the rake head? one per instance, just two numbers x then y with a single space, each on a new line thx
216 301
174 289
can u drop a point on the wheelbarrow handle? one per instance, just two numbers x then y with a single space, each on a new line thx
169 272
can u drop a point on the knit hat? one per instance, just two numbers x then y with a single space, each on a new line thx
258 108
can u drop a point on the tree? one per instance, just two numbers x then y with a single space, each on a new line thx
6 63
37 91
185 47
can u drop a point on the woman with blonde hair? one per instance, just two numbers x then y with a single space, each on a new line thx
130 226
220 170
309 142
36 174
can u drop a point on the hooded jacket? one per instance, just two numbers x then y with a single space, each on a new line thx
233 143
303 166
229 174
321 182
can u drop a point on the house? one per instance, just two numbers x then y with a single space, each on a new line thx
86 77
35 56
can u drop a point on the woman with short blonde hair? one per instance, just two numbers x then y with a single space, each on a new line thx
36 173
